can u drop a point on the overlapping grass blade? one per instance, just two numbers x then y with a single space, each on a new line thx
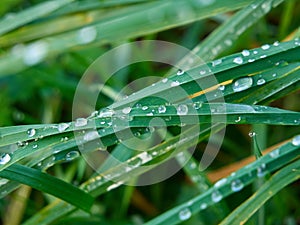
48 184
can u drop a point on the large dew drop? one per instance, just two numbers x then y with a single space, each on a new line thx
162 109
62 127
237 185
4 158
31 132
185 214
86 35
216 196
182 110
242 84
296 140
238 60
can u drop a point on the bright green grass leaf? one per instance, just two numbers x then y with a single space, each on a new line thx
49 184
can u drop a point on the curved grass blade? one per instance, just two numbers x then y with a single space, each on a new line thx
277 182
49 184
9 23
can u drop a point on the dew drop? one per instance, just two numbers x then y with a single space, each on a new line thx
34 146
91 135
275 153
106 113
242 84
86 35
180 72
237 185
296 140
216 196
261 81
197 105
221 87
162 109
265 47
126 110
165 80
135 162
220 183
185 214
182 110
80 122
238 60
252 134
144 108
261 170
4 158
245 52
276 43
216 62
71 155
62 127
35 53
228 42
202 72
31 132
251 60
238 119
203 206
175 83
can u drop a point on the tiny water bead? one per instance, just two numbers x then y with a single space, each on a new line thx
245 52
296 140
185 214
80 122
31 132
86 35
175 83
4 158
162 109
216 196
197 105
34 146
135 162
165 80
62 127
238 60
91 135
237 185
203 206
242 84
221 87
106 113
216 62
71 155
238 119
275 153
126 110
260 81
252 134
261 170
145 108
182 109
220 183
180 72
35 53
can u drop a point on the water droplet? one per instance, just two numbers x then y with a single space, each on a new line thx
86 35
261 170
238 60
216 62
113 186
193 165
266 6
31 132
242 84
91 135
203 206
34 146
4 158
238 119
106 113
80 122
260 81
175 83
135 162
144 108
221 87
245 52
126 110
35 53
165 80
265 47
162 109
252 134
220 183
275 153
63 139
216 196
185 214
276 43
202 72
228 42
255 52
296 140
182 109
71 155
62 127
237 185
180 72
197 105
251 60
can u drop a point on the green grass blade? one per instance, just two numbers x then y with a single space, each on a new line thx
277 182
49 184
9 23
